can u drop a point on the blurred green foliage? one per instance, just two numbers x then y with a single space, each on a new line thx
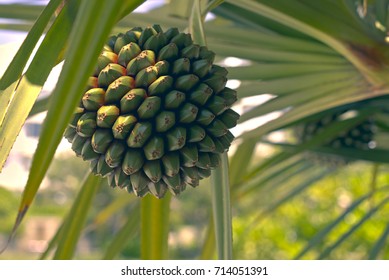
283 233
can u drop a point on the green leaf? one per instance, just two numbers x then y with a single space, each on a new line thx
180 8
286 101
27 91
381 11
21 11
373 155
325 231
196 24
263 54
75 220
128 6
155 227
290 183
267 40
15 69
284 160
380 244
355 227
208 249
329 133
40 106
112 209
240 162
101 218
211 5
309 108
163 15
296 83
18 93
126 233
52 244
282 166
277 160
282 70
309 20
312 177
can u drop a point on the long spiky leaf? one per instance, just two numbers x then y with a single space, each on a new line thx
73 224
326 230
380 244
355 227
128 231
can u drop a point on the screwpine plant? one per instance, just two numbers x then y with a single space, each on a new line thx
143 99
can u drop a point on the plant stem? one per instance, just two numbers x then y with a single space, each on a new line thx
220 177
222 209
155 227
